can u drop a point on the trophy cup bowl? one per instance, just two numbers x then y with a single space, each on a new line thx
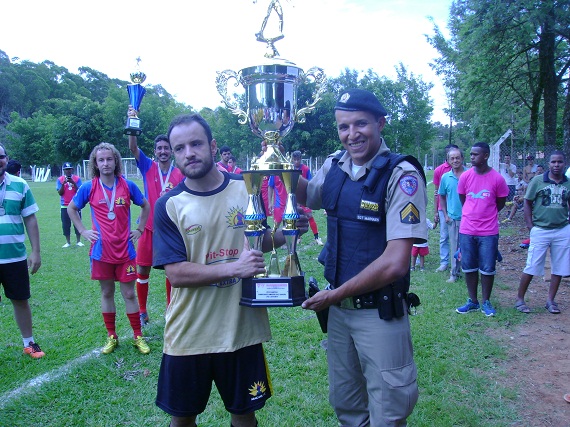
136 93
271 96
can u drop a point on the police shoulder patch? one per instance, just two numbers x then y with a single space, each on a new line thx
409 184
410 214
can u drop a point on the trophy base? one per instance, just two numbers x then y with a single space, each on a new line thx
133 126
273 291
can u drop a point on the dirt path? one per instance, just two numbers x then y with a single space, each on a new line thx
538 362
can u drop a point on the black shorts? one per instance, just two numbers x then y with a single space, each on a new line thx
16 280
241 377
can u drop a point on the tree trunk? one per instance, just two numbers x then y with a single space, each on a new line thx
566 122
546 55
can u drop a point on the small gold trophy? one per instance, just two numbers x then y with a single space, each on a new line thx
271 96
136 93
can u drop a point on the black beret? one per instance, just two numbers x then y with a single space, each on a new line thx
360 100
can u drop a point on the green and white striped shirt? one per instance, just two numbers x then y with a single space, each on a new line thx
18 203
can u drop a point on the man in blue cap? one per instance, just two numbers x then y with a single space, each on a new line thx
376 208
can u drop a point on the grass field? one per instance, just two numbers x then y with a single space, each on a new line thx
74 385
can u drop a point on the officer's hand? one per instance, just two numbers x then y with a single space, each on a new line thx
319 301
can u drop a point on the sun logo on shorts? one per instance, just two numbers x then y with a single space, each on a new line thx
258 389
130 269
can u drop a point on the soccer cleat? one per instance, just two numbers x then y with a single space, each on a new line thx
487 309
318 241
144 319
452 279
507 204
80 244
67 245
468 307
141 345
110 345
525 244
441 268
34 351
506 220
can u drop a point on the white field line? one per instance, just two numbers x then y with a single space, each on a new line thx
34 383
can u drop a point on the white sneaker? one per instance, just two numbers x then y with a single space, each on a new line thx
67 245
452 279
318 241
80 244
441 268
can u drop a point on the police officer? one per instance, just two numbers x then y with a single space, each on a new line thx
376 205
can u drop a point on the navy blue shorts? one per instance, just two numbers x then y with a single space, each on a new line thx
241 377
16 280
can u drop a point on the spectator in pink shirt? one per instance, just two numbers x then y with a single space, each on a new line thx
483 193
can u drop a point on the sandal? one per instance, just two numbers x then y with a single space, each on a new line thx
522 307
552 307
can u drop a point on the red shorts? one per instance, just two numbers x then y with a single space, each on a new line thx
125 272
144 249
421 251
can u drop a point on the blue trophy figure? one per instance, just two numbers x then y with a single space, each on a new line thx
136 92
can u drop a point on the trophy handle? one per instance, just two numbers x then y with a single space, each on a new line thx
222 86
320 80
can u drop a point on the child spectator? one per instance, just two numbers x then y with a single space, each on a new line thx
516 205
420 250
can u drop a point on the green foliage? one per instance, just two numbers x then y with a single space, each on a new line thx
504 66
49 115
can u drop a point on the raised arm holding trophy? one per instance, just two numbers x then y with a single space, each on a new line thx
271 112
136 93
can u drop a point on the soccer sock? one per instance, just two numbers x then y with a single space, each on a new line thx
168 290
135 322
313 225
142 291
109 319
27 341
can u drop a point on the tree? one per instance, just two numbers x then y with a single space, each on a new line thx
507 54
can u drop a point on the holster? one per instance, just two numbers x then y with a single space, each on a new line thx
391 301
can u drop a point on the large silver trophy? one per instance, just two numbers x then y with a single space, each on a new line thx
271 112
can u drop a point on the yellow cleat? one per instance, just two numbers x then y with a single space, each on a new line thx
110 345
141 345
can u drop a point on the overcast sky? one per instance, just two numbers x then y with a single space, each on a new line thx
183 43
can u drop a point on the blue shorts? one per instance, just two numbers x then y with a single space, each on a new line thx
241 377
479 253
